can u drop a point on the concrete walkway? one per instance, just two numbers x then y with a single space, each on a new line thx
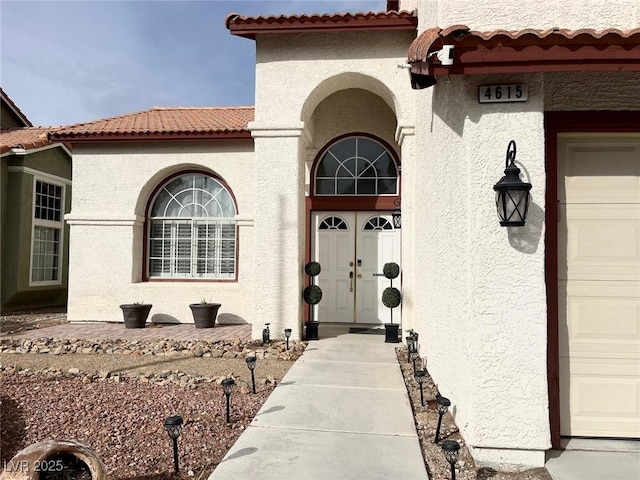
595 459
341 412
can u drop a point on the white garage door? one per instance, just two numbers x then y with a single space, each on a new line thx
599 285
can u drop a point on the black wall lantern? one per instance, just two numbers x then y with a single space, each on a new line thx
397 215
512 194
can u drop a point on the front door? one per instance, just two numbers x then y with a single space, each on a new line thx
352 248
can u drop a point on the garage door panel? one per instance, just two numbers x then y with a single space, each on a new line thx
599 172
606 319
599 286
603 242
598 403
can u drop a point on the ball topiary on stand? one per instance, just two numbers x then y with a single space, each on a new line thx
312 294
391 298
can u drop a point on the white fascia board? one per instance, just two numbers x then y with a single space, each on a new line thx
22 151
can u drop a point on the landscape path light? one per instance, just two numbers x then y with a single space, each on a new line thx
173 426
410 345
266 334
443 405
251 364
227 386
451 449
287 334
414 356
420 374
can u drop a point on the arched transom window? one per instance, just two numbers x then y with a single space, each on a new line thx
333 223
378 223
192 230
356 166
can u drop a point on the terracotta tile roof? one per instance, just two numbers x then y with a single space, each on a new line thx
528 50
164 123
249 27
15 108
27 138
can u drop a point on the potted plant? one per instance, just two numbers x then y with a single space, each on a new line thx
135 314
204 313
312 294
391 298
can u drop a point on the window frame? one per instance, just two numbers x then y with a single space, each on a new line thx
218 221
51 224
355 136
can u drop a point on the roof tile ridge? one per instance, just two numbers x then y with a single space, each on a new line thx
208 107
105 119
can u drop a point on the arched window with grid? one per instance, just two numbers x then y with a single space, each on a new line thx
192 229
356 166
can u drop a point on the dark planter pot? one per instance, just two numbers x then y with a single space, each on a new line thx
311 330
135 315
391 333
204 314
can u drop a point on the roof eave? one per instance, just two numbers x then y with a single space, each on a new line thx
146 137
250 29
540 52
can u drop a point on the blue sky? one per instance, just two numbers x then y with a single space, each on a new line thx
65 62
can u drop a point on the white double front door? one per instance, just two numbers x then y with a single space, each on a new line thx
352 248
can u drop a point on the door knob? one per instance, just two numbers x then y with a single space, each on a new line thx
359 275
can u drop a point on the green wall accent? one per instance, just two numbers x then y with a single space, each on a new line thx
17 211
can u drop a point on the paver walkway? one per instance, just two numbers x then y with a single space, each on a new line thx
117 330
341 412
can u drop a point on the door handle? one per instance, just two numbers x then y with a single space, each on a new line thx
359 275
351 281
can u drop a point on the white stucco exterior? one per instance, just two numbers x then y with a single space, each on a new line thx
107 218
482 308
475 291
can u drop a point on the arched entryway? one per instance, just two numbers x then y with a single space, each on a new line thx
355 180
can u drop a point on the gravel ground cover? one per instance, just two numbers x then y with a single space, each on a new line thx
116 404
426 419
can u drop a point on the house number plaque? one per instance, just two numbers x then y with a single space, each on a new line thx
502 93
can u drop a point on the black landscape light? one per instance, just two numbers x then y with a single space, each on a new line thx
173 426
287 334
410 345
451 449
266 334
414 356
420 374
512 194
251 363
443 406
227 386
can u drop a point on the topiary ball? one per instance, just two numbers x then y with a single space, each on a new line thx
391 270
312 294
391 297
312 269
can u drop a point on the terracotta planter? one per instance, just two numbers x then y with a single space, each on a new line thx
204 314
135 314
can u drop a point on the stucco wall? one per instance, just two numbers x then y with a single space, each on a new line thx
309 89
110 193
482 311
517 14
592 91
482 307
